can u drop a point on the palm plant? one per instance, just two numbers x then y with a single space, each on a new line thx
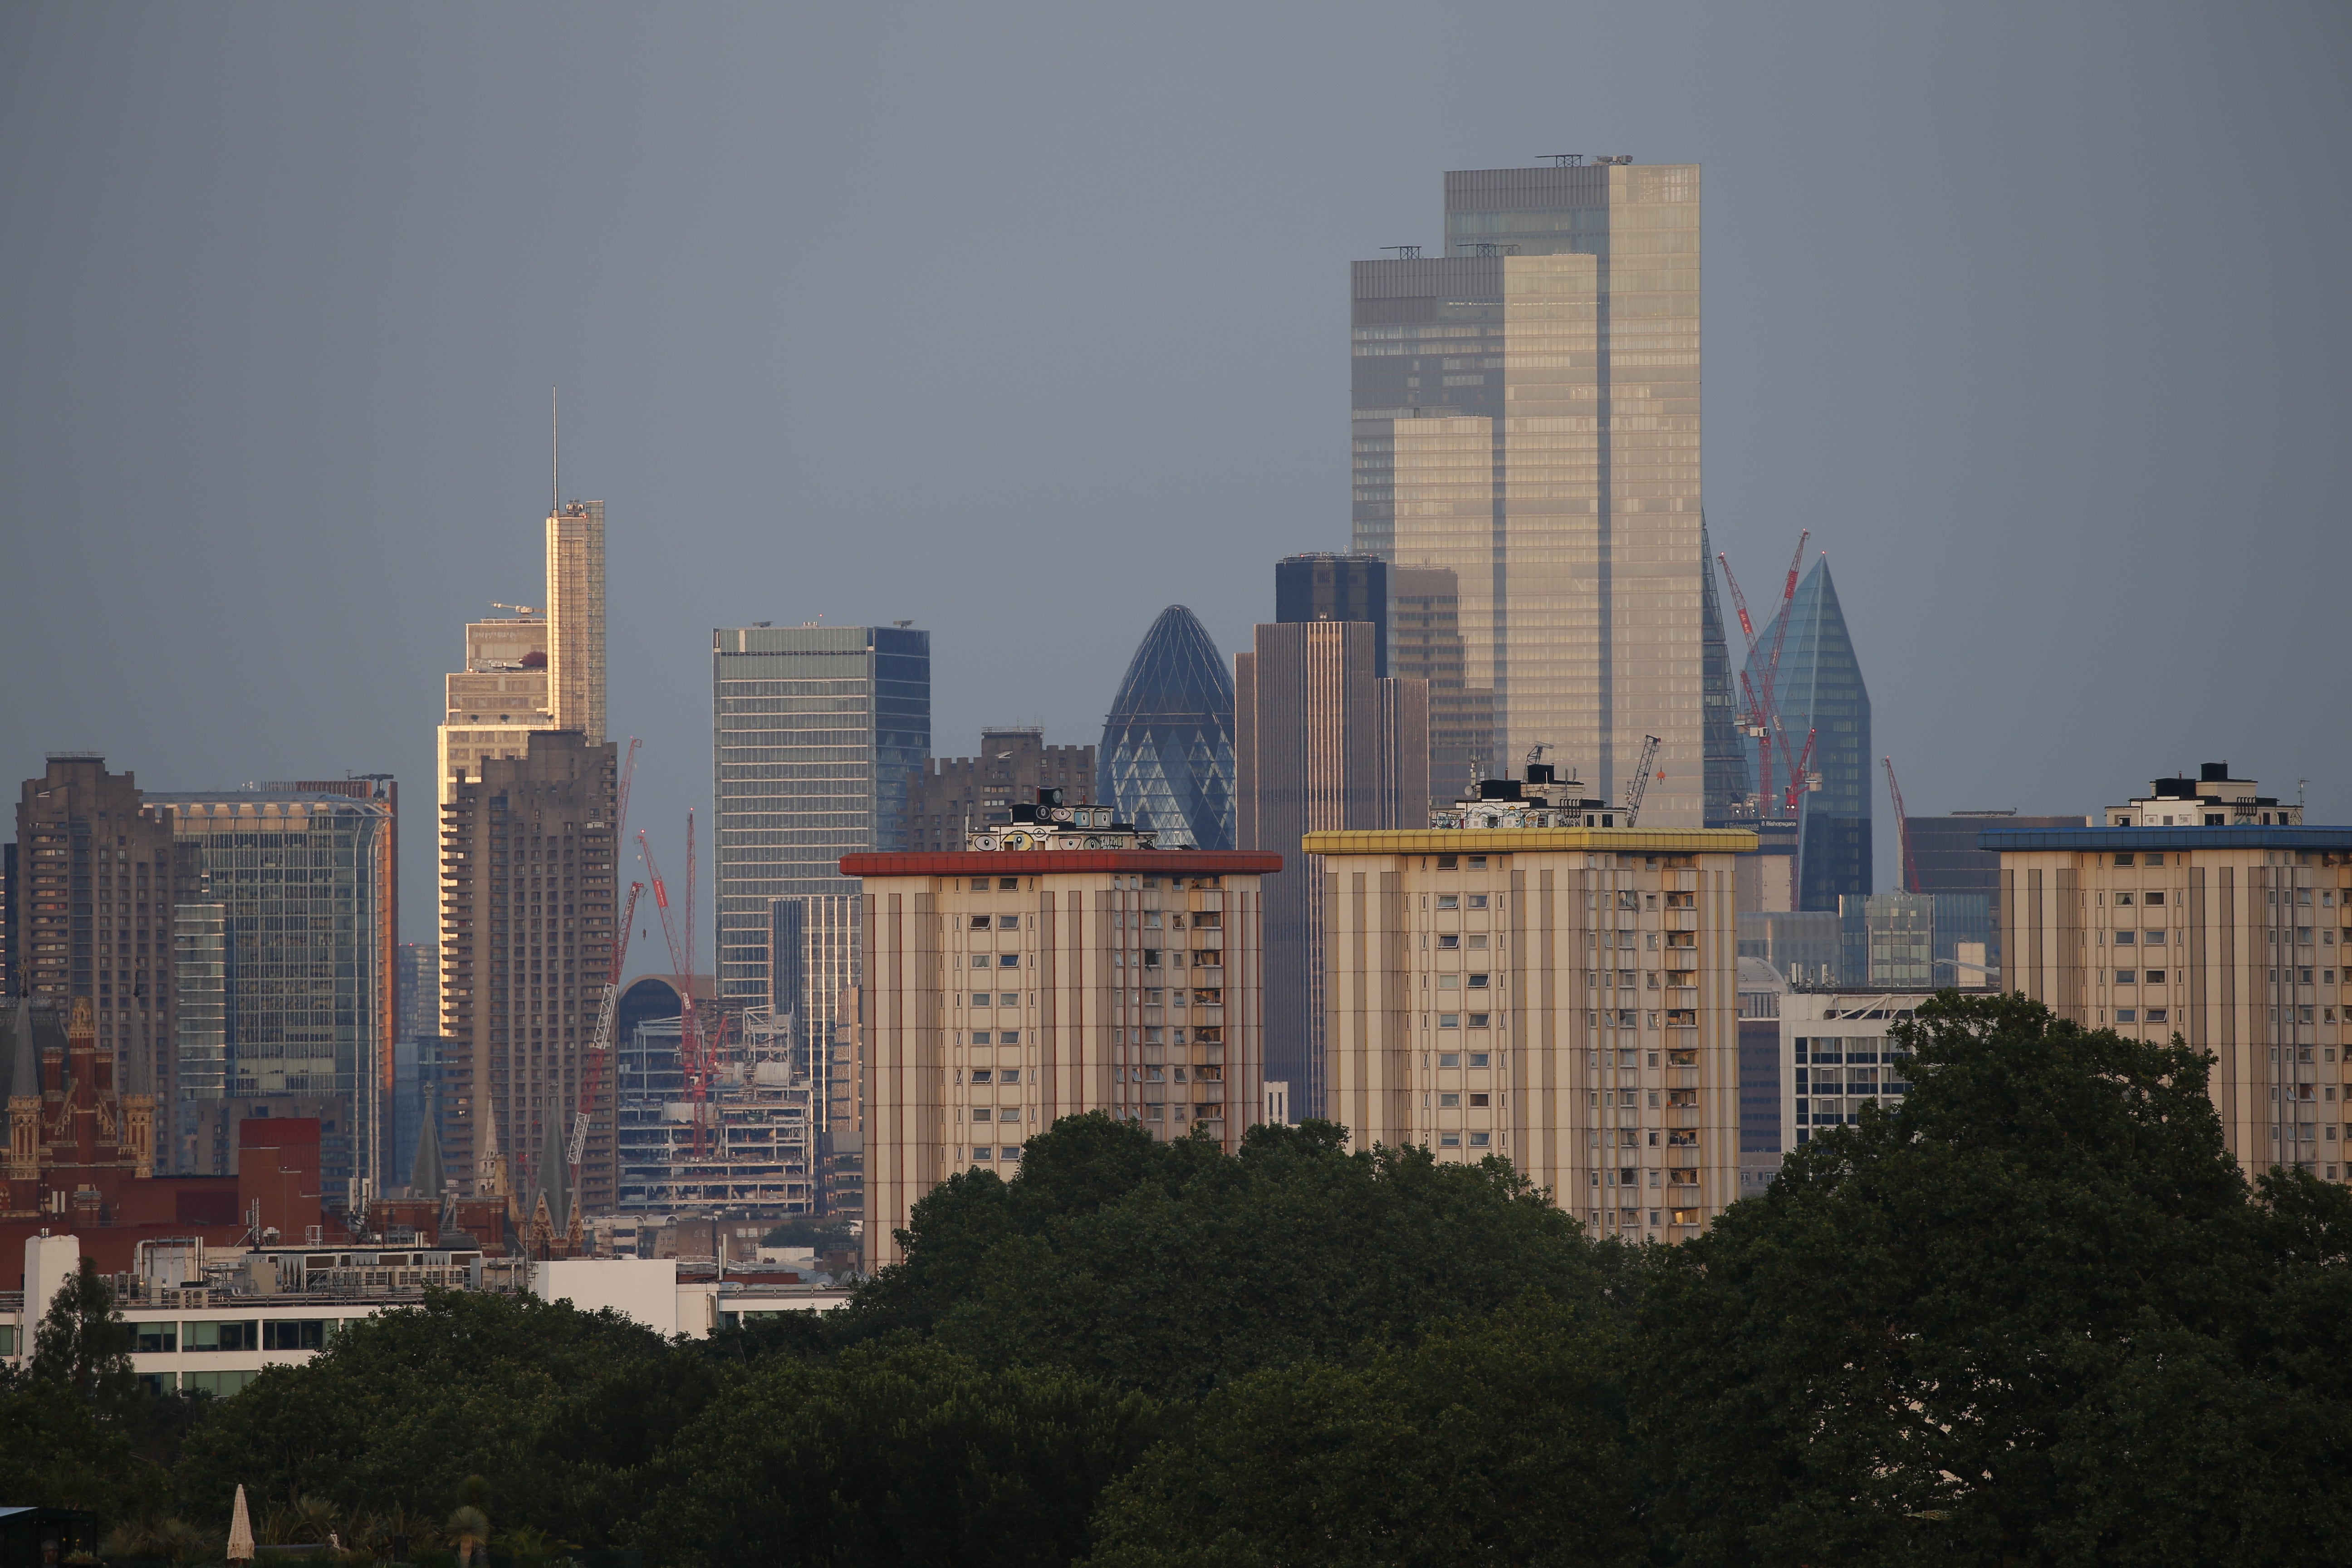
531 1547
470 1529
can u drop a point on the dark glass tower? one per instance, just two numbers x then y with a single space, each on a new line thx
1166 755
1819 691
1326 587
1728 783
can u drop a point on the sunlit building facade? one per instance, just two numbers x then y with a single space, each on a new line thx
1527 417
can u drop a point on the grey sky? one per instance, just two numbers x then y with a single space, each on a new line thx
1023 323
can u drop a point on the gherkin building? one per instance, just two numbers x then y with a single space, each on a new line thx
1820 694
1167 756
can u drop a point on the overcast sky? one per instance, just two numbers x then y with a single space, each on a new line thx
1023 322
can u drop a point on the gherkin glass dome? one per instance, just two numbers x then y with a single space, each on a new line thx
1167 755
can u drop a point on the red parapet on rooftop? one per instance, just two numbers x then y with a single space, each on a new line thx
1043 862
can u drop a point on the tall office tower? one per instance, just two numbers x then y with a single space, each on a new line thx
1321 586
1425 644
954 795
817 734
1320 745
1167 757
491 707
1051 969
1818 693
1561 996
1729 790
526 938
1527 415
298 878
812 952
576 617
97 877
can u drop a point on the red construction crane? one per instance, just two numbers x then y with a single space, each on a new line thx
692 1058
1802 780
1903 828
1764 707
1738 601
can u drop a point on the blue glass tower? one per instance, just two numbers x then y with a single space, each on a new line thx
1819 691
1167 756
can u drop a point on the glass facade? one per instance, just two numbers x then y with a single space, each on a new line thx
1729 785
1527 417
1167 753
1325 587
1819 691
297 877
814 944
200 978
815 732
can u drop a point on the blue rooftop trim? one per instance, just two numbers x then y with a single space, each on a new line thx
2180 838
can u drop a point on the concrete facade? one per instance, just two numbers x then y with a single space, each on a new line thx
1563 998
1006 989
2233 938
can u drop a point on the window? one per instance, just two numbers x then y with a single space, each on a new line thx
981 1113
219 1384
1013 1152
1478 1101
2122 859
1685 1217
1477 900
153 1337
2154 938
1481 1140
980 1075
1449 1020
980 961
1008 1037
1449 1139
980 1036
1449 1102
1627 1096
2159 1015
294 1335
1008 960
221 1336
979 922
1449 900
1008 923
1477 862
1448 862
1010 1075
2126 1016
2126 976
1478 1020
2125 938
1449 1058
1449 941
2153 898
1008 884
1477 1059
2156 977
2123 897
1477 939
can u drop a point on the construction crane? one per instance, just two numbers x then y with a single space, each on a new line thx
1763 708
691 1062
1902 829
531 610
1803 780
1639 784
599 1044
1738 601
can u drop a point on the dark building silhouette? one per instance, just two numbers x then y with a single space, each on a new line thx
1728 782
1166 755
949 795
1819 691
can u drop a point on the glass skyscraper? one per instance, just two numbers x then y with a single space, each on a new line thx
1527 417
1167 753
1819 691
814 733
1728 783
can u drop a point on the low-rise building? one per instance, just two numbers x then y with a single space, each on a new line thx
1517 982
1836 1057
1060 964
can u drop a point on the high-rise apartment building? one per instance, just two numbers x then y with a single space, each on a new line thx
1321 744
491 707
1167 758
97 879
1563 996
1818 696
817 732
953 796
292 914
1527 417
527 913
2232 937
1060 965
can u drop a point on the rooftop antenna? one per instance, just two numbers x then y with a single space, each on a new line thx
554 485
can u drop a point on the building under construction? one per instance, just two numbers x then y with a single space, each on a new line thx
760 1117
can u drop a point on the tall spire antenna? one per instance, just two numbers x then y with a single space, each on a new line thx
554 485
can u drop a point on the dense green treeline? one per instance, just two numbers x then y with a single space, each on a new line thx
2034 1316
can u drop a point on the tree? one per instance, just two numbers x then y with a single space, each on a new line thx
1172 1268
2034 1315
83 1342
1497 1441
892 1455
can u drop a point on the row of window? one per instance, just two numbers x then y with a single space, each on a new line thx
235 1334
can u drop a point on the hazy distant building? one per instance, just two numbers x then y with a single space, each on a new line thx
1321 587
814 945
1527 417
1819 691
951 795
1730 790
1425 644
527 913
1320 745
294 901
817 734
97 879
1167 758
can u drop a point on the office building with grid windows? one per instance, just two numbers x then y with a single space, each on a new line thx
1526 418
817 734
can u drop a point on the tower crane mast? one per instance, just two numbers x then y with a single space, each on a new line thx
1639 784
689 1026
599 1044
1902 829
